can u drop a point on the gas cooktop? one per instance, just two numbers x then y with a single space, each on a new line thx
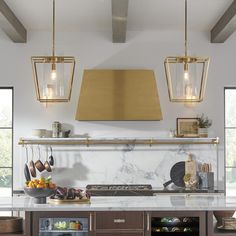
120 189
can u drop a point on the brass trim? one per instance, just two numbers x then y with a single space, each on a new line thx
148 141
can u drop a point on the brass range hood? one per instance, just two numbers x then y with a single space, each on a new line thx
118 95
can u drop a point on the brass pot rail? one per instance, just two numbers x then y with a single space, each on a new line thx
87 142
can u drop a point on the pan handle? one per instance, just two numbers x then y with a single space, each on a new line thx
167 183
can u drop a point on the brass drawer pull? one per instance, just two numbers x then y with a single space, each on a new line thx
119 221
90 222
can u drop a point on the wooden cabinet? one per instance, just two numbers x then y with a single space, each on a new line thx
113 223
119 223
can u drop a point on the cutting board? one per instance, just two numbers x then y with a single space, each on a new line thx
68 201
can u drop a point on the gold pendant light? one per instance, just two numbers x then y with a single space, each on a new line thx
186 75
53 75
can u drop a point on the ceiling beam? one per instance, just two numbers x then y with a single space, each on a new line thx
119 20
11 25
225 26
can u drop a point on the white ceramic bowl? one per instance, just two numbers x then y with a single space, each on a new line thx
40 133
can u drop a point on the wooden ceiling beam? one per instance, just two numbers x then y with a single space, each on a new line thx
119 20
226 25
10 24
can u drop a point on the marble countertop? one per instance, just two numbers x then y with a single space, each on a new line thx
153 203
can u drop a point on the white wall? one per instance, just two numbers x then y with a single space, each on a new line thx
95 50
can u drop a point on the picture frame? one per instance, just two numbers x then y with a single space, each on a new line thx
187 127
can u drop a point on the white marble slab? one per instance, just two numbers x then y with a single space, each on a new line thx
155 203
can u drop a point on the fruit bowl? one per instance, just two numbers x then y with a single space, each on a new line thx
40 194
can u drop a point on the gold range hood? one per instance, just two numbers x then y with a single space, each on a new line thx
118 95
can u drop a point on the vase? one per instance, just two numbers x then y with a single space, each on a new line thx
203 132
222 214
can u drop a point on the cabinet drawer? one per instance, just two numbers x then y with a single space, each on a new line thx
120 220
119 234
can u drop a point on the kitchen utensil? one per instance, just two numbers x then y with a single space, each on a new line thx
32 166
47 166
32 169
26 168
51 159
38 164
177 173
206 180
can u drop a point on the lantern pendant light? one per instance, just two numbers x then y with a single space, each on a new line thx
186 75
53 75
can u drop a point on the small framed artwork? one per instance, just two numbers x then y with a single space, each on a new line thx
187 127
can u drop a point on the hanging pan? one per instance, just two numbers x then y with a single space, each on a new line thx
26 168
32 165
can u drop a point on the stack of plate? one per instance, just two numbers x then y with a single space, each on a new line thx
228 223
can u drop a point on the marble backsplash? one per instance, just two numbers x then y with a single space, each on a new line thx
125 164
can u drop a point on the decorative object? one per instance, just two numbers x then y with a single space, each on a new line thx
186 75
40 194
190 181
53 75
187 127
203 124
219 215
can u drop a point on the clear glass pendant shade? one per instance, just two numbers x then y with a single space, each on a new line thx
53 80
186 80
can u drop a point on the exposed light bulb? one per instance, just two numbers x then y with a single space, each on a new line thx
53 74
186 75
186 72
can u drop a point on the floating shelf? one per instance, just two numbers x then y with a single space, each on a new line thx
116 141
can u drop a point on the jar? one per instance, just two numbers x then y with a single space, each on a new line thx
79 225
56 129
72 225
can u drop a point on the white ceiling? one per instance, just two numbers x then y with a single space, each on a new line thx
95 15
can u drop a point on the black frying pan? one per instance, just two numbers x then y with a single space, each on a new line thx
177 173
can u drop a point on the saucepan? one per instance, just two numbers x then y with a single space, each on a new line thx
177 173
38 164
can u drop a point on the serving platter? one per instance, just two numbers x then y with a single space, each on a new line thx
66 201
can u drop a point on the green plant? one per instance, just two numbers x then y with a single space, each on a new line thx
204 122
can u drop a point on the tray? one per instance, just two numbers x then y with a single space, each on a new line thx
221 227
66 201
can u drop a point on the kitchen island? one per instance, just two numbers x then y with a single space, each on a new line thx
123 216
